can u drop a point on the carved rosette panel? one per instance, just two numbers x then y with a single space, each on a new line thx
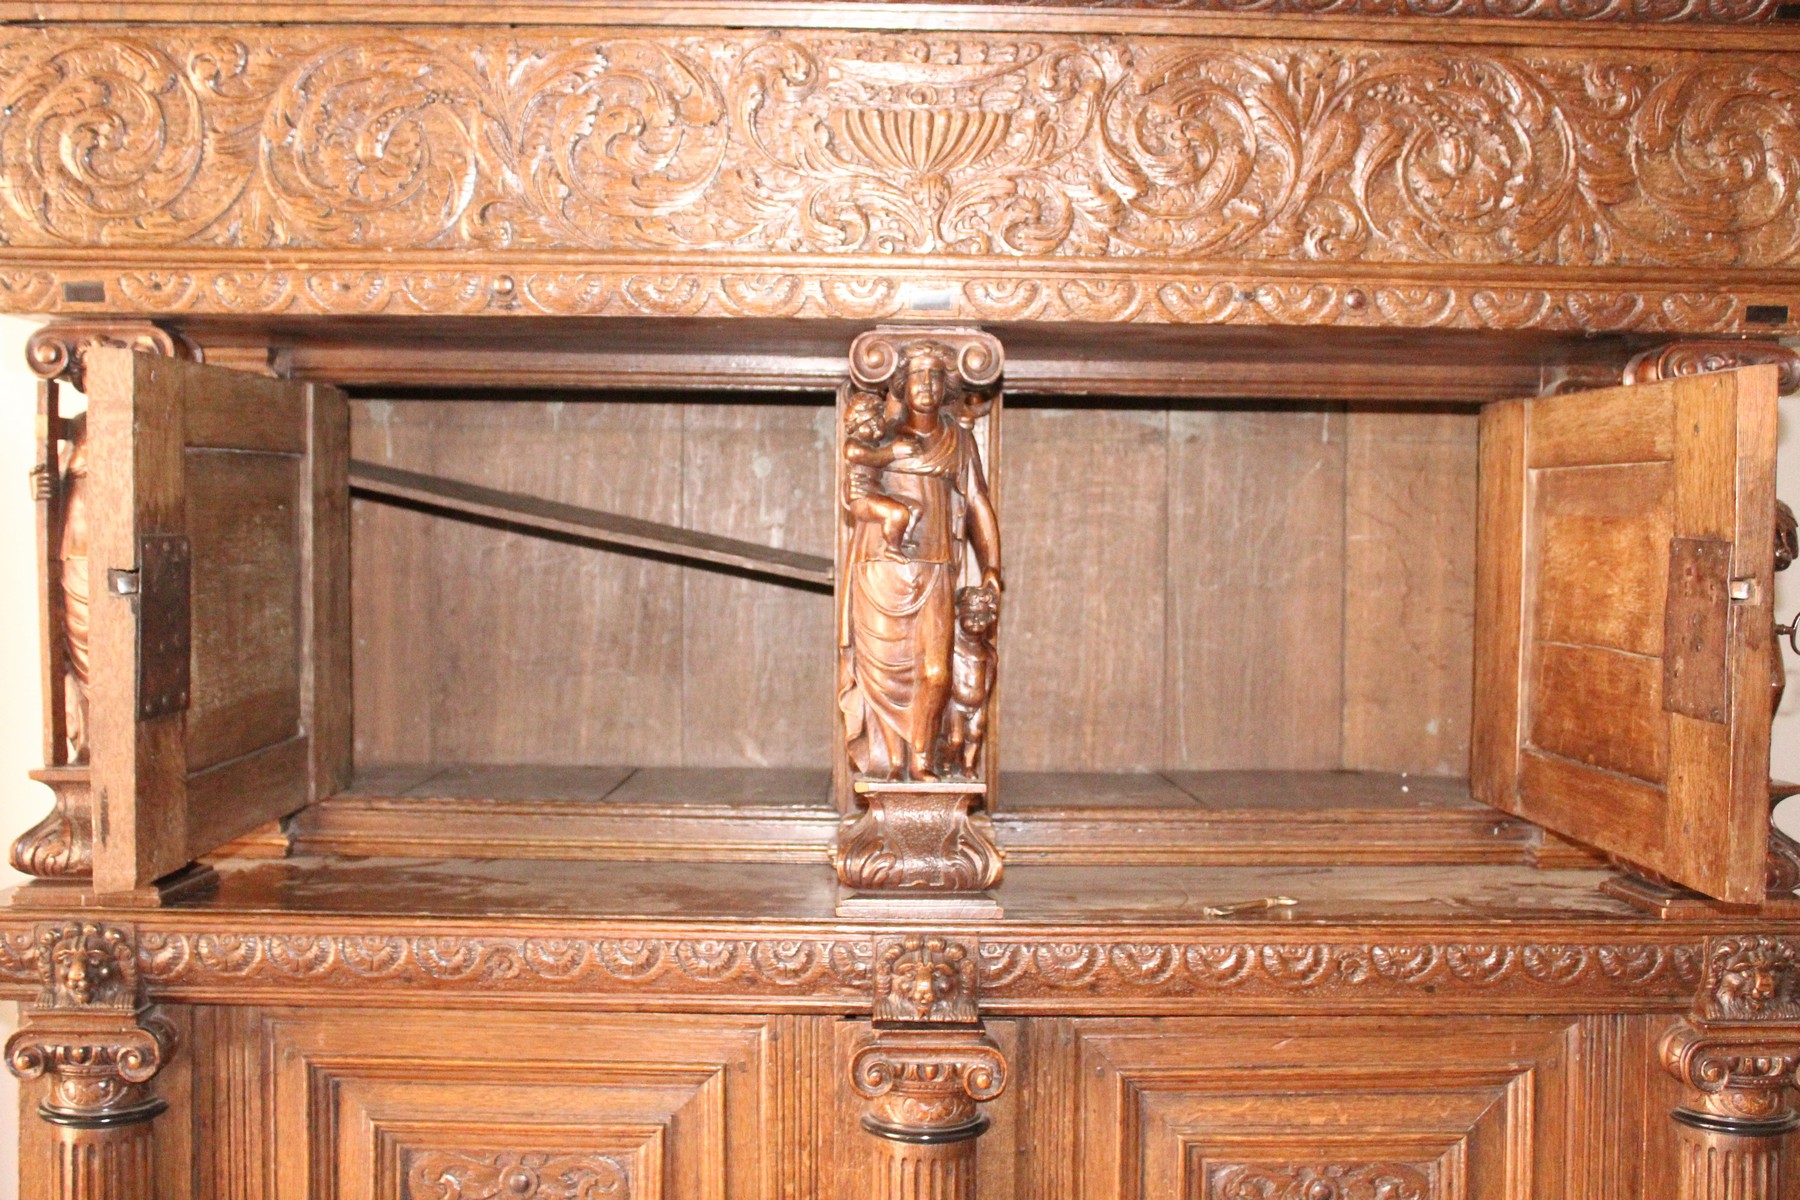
1198 162
512 1175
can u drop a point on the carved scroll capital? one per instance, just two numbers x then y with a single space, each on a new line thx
89 1031
56 350
974 358
926 1086
925 978
1705 356
1738 1076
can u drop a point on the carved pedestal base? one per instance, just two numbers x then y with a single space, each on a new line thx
917 849
925 1089
61 846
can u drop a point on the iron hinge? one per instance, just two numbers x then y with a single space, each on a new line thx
160 588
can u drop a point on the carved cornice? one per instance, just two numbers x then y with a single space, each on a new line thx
1703 357
863 175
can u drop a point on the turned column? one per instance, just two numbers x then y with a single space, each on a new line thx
1738 1054
98 1046
926 1070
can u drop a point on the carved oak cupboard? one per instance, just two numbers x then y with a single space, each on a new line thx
925 601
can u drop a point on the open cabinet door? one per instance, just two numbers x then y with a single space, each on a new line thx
1623 620
219 558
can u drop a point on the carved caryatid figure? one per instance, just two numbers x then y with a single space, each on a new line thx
74 555
917 504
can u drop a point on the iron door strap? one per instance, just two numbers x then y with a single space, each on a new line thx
161 591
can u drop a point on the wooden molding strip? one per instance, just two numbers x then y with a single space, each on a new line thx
533 513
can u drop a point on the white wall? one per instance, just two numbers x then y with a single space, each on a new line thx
23 802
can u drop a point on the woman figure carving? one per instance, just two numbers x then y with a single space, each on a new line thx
898 622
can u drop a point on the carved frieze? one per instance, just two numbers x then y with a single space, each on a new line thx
1725 12
870 174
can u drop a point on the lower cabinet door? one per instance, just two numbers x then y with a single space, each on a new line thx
1400 1108
385 1105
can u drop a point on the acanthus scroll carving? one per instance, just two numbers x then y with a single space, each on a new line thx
1049 149
1320 1181
516 1175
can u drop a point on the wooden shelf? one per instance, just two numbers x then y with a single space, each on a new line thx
750 815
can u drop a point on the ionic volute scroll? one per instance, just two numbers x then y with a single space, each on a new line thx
919 603
927 1068
93 1038
1737 1054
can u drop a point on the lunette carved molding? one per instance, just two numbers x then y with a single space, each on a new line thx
919 596
864 175
516 1175
1059 969
91 1036
1724 12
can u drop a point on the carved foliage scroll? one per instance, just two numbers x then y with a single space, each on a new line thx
813 146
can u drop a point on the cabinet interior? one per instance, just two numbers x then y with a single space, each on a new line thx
1215 612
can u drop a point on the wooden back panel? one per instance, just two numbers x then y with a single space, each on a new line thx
1188 588
1621 693
250 472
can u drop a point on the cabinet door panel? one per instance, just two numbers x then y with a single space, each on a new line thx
219 698
1351 1108
1623 621
385 1105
